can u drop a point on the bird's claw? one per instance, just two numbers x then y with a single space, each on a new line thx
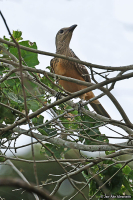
79 107
58 96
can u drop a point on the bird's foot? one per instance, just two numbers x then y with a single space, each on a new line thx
58 96
79 107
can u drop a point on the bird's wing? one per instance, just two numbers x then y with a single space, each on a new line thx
52 64
80 68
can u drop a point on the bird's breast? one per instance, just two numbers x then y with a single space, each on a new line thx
67 68
59 68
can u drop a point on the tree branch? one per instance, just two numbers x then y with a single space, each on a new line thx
29 188
72 145
124 68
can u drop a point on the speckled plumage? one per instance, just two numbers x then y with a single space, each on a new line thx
72 69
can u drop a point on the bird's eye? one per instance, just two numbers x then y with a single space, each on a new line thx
61 31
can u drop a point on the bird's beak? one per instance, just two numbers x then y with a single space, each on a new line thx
71 28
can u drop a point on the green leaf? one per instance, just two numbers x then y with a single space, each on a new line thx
10 82
127 185
126 170
130 175
2 159
17 35
33 105
46 81
57 150
43 131
14 97
49 130
118 166
10 118
109 152
116 182
30 58
38 120
6 115
1 70
5 38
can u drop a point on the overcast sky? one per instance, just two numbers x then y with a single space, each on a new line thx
104 34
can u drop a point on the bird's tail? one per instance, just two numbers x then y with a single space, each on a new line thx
96 105
99 109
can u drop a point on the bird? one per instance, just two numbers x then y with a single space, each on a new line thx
71 69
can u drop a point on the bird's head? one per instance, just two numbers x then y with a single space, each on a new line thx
63 38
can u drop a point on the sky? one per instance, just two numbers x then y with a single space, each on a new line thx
104 35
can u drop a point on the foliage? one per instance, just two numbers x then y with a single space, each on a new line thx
81 128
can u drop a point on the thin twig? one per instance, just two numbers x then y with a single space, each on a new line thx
124 68
23 89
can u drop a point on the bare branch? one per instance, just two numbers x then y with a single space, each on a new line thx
124 68
29 188
20 174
